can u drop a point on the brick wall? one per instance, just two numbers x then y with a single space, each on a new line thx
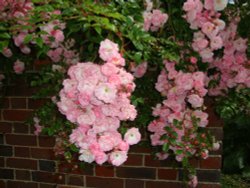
27 161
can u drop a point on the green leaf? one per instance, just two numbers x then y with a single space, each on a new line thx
5 35
179 152
165 147
28 38
39 42
3 44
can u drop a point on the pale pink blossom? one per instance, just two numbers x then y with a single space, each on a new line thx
117 60
132 136
140 70
123 146
7 52
106 92
189 5
193 182
101 157
195 100
216 146
118 157
18 67
86 156
220 4
216 43
108 50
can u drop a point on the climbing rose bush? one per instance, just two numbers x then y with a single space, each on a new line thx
96 98
176 52
180 114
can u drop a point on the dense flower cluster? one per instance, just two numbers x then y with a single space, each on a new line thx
154 19
14 9
205 18
233 66
64 53
96 98
181 113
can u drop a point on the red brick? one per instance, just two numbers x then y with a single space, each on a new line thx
20 128
75 180
194 162
21 163
105 171
167 174
20 91
104 182
140 149
23 175
134 160
5 127
74 168
20 184
201 185
48 177
213 118
40 153
21 140
2 184
159 184
134 183
16 115
139 173
217 132
46 185
22 152
152 162
36 103
5 103
18 103
2 162
211 163
46 141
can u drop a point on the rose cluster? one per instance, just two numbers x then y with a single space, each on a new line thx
233 67
96 98
64 53
153 19
205 18
180 114
13 9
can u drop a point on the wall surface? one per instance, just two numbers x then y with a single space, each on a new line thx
28 161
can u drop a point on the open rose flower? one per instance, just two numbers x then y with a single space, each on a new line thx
19 67
132 136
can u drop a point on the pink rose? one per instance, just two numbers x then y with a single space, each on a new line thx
193 182
140 70
86 156
132 136
220 4
108 50
189 5
117 60
195 100
123 146
7 52
118 157
216 43
100 158
106 92
19 67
